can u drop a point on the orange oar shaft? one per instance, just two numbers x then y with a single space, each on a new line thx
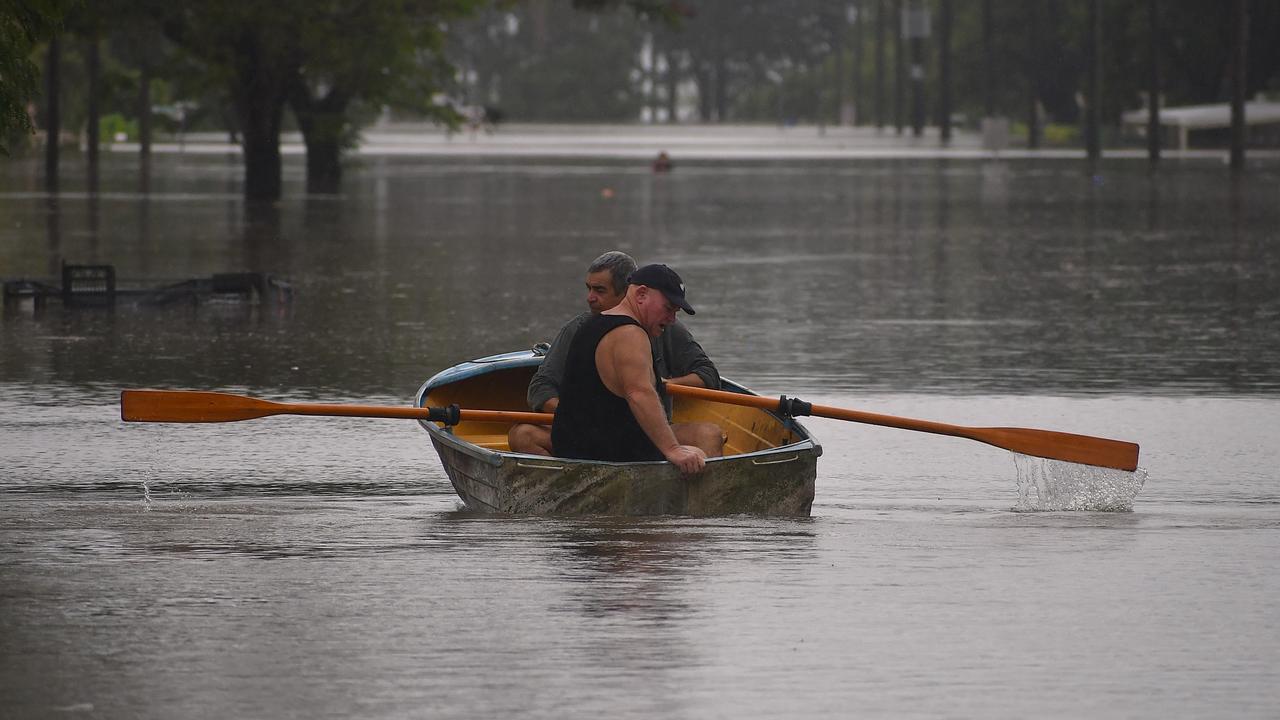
190 406
1084 449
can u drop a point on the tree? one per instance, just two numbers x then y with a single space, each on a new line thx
23 25
366 54
318 56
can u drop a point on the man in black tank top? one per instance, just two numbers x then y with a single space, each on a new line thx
609 408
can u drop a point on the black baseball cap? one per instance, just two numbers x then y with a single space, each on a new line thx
664 279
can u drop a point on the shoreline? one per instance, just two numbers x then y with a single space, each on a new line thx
682 143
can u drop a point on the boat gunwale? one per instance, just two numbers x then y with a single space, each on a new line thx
495 457
527 358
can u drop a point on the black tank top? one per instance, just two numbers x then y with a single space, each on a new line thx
591 422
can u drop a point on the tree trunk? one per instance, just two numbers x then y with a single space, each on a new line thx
262 167
704 76
260 92
324 128
93 129
144 116
722 87
673 87
52 114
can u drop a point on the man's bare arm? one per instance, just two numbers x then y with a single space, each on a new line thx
626 368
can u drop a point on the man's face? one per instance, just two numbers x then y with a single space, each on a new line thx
600 293
656 311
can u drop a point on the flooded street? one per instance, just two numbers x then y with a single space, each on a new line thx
323 567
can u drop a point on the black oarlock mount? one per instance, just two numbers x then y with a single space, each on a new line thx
794 407
451 415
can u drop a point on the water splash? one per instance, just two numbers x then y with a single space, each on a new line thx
147 502
1045 485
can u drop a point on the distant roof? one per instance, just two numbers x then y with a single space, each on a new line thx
1209 116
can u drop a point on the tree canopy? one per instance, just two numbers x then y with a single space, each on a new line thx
24 24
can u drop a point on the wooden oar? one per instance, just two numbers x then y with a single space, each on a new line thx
1083 449
189 406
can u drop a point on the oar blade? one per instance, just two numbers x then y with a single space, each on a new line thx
182 406
1067 447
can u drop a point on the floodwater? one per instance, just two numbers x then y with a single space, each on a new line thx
322 567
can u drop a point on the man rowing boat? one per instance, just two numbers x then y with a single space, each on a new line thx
609 408
678 359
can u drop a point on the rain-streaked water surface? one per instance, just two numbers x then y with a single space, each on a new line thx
322 567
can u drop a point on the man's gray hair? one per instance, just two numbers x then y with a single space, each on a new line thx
620 266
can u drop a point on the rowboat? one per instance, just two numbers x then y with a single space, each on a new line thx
769 465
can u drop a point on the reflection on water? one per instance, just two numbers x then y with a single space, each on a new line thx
931 276
321 566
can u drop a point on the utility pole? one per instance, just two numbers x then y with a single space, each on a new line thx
1239 77
899 66
944 78
1153 82
988 63
841 40
880 6
915 26
1033 75
1093 142
856 18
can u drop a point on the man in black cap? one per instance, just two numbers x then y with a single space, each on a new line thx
677 357
609 408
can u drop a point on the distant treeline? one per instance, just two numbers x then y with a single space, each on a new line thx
806 60
252 69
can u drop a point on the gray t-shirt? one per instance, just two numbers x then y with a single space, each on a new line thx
675 353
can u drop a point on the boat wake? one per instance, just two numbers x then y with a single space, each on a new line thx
1051 485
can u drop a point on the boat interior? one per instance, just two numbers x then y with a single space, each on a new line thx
747 429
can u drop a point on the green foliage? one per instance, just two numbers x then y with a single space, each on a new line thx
24 24
113 125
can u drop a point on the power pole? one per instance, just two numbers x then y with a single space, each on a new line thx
1033 75
857 17
880 5
900 66
944 78
1153 82
841 40
988 63
1093 142
1239 77
915 26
